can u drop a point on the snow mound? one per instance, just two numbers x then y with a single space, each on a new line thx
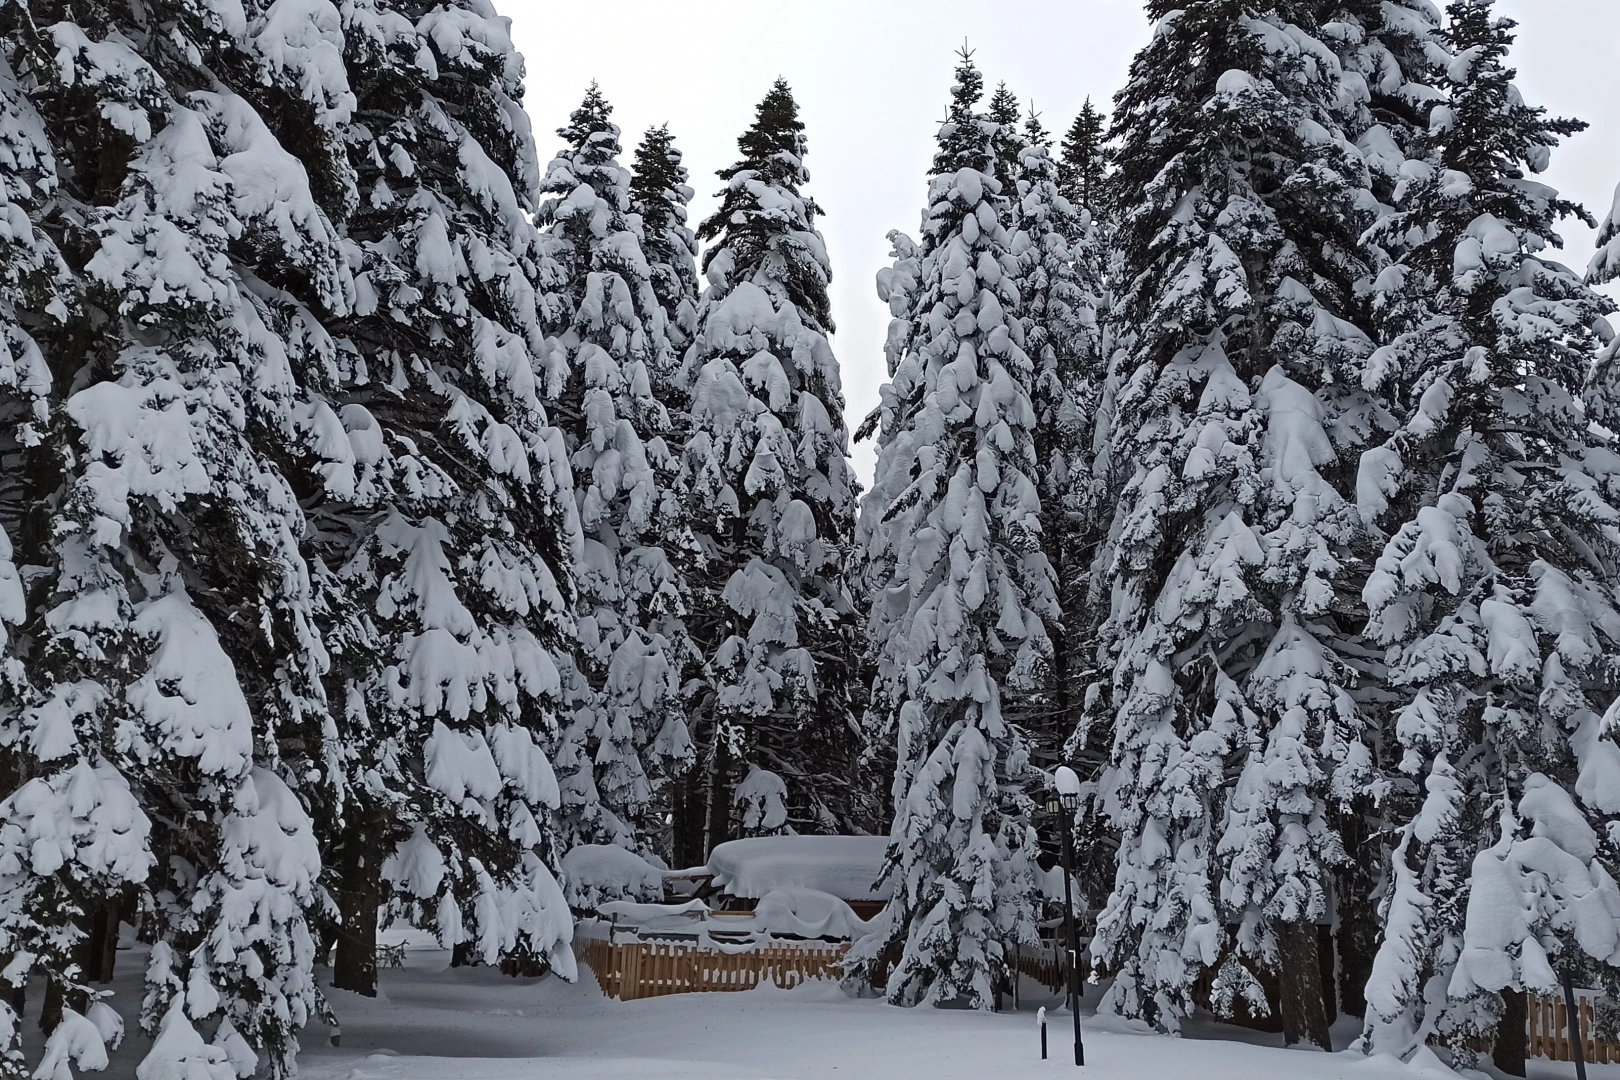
596 873
807 913
848 867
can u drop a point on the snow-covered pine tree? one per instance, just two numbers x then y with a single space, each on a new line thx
1392 58
1083 162
659 195
446 531
175 732
624 731
1009 143
1495 591
962 590
1233 730
1060 297
767 477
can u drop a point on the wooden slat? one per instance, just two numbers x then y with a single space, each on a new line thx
1533 1036
632 970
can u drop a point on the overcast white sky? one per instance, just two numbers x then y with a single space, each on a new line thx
872 78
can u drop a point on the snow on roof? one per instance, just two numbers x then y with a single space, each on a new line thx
848 867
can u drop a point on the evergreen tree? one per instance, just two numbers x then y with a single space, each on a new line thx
1060 296
1233 731
173 737
962 591
659 194
298 529
767 476
1392 56
625 731
1083 163
1495 591
1005 113
446 536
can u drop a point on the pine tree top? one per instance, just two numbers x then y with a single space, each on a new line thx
1035 133
1004 108
660 178
1084 159
1481 143
590 130
965 140
765 225
1488 130
774 145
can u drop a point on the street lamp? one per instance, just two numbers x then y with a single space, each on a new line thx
1064 806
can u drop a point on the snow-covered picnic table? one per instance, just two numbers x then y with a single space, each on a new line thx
848 867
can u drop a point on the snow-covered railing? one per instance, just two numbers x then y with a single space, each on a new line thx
630 970
1548 1032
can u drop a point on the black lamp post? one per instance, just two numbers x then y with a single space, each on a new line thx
1065 805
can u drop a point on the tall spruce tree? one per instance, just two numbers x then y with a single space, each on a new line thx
624 733
659 194
1060 300
298 531
175 734
446 530
1005 113
1083 162
963 591
767 476
1232 567
1393 57
1495 592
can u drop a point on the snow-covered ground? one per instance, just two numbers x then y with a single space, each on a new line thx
431 1022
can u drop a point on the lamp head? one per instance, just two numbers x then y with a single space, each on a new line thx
1068 787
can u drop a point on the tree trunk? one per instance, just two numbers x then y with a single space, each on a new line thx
1509 1052
1358 931
50 1013
359 897
1304 1015
719 794
101 951
688 807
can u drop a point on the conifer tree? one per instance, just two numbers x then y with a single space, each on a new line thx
1495 591
767 476
447 533
625 731
1233 729
1005 113
299 529
1082 165
1393 56
659 194
962 591
173 739
1060 296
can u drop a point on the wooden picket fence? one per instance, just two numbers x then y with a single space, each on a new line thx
633 970
1048 967
1549 1031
